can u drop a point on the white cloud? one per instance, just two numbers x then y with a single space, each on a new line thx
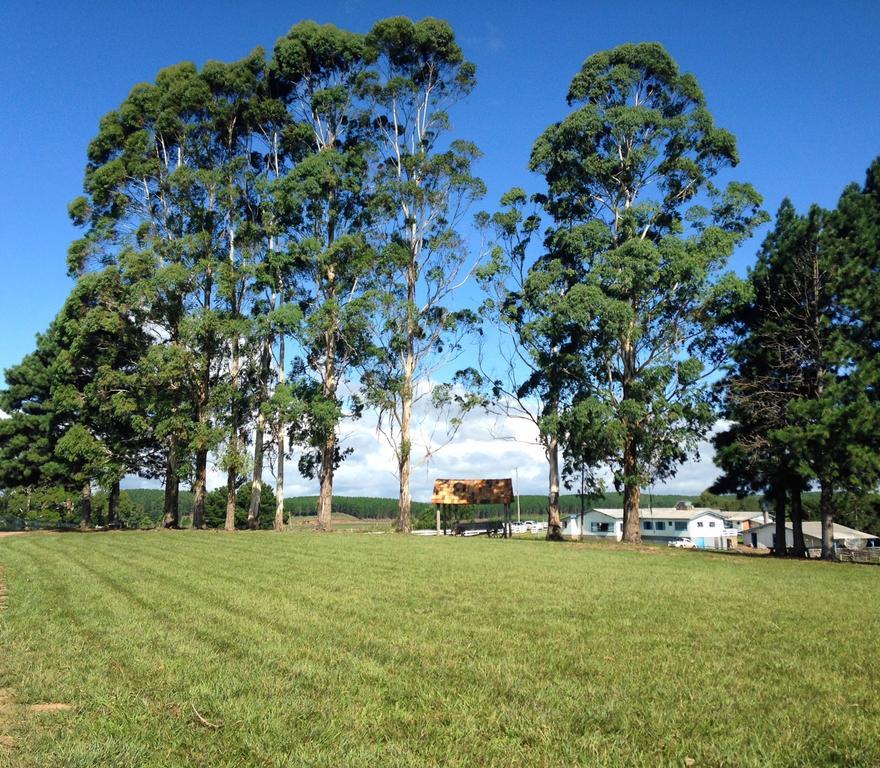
491 39
478 450
485 446
693 476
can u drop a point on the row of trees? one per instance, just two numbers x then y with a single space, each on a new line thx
305 203
801 389
272 246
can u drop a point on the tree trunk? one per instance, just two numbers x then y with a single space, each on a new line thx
113 505
171 511
797 529
404 455
253 518
200 488
404 504
404 464
231 498
280 443
278 525
232 472
328 449
200 485
632 493
826 509
257 482
781 548
583 509
85 507
554 522
325 473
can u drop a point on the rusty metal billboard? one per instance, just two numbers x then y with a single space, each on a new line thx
497 491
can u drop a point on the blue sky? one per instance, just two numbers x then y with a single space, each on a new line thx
798 83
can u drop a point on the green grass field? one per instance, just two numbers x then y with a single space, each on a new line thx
299 649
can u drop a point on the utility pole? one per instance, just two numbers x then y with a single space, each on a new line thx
516 472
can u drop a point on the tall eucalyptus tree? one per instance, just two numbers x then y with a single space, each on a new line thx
538 345
236 90
639 238
425 185
321 72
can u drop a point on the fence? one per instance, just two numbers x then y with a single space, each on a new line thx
864 555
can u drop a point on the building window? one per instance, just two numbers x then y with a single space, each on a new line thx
711 523
681 525
648 525
599 527
660 525
699 525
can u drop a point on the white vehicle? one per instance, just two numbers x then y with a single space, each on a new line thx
682 543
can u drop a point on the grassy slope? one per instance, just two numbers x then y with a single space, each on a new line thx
343 650
345 523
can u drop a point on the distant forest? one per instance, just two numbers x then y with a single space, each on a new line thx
143 507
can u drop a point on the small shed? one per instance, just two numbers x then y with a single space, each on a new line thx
764 536
448 493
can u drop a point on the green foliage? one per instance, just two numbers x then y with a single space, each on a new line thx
148 501
317 198
28 437
34 508
618 321
639 276
215 508
326 197
762 378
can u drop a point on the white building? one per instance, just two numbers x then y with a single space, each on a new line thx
764 536
744 521
603 523
707 528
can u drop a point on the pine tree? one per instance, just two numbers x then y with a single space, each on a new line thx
765 374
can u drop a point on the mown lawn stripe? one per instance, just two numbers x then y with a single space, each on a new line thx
387 650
